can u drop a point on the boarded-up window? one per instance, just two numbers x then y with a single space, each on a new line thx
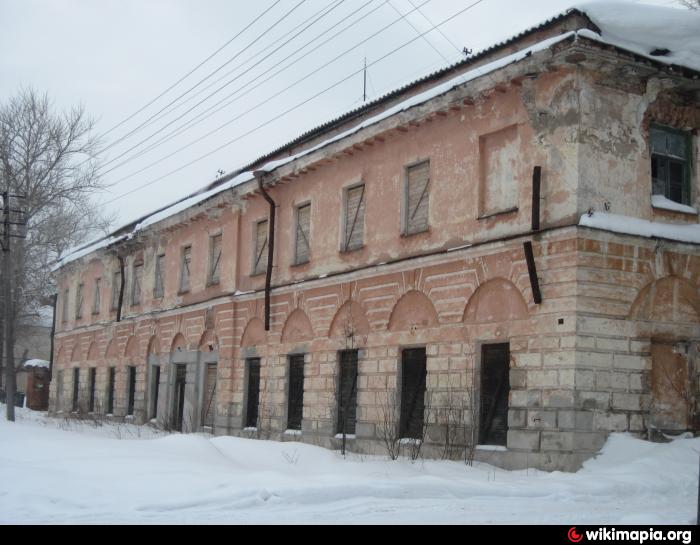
495 390
260 247
159 282
347 393
136 279
79 301
76 389
417 198
295 409
185 269
91 400
413 375
214 259
253 397
354 221
116 288
208 408
131 393
499 155
96 298
64 310
110 390
302 246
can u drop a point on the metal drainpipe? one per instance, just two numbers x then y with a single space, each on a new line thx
121 288
259 175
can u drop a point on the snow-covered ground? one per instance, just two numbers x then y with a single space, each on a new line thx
54 471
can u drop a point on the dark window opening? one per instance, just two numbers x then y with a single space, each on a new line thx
347 393
209 396
296 392
110 390
251 415
495 390
413 376
76 388
670 164
179 398
91 403
155 378
132 390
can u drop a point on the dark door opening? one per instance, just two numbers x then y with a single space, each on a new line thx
110 390
76 388
347 393
131 394
413 375
495 390
91 400
179 397
209 396
295 408
251 414
155 378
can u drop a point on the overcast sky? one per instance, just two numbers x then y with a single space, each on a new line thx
116 56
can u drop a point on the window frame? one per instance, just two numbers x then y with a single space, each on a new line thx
136 280
297 209
181 289
257 257
116 285
405 219
215 267
79 300
97 297
345 247
687 185
159 277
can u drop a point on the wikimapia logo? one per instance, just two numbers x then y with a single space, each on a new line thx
637 536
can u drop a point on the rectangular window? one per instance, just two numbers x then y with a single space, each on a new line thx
214 259
495 390
159 283
110 389
116 289
96 299
413 375
347 393
354 220
253 393
76 389
670 164
136 279
131 394
302 246
208 409
295 408
155 386
64 310
260 247
91 402
185 269
417 198
79 301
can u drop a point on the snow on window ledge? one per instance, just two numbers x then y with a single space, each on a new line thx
659 201
493 448
292 432
409 441
347 436
689 232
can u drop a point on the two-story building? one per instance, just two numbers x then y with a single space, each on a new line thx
498 260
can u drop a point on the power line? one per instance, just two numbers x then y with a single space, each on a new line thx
206 114
139 127
307 76
459 50
297 106
336 5
191 71
414 27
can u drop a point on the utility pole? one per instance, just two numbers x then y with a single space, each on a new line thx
8 307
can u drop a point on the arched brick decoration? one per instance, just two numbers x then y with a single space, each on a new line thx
112 351
179 343
297 328
93 352
60 355
497 300
349 320
669 300
132 348
413 310
153 346
254 333
76 354
208 342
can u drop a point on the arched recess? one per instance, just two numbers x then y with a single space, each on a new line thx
254 333
667 311
414 310
60 355
112 351
179 343
350 320
131 351
297 328
498 300
93 353
76 354
208 342
153 346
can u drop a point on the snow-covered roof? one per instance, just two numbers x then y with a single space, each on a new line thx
36 363
669 36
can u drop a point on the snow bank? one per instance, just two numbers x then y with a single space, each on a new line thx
88 474
36 363
644 228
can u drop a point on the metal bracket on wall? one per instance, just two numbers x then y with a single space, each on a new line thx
532 271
